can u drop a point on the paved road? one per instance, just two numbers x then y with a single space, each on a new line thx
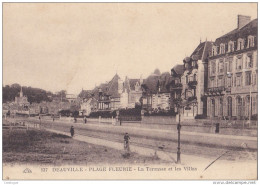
165 140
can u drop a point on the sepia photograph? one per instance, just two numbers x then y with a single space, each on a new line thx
130 91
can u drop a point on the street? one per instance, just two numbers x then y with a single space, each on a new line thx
157 141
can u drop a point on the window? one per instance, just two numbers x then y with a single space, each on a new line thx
214 50
213 67
221 67
220 107
250 41
240 44
222 48
229 107
229 79
254 79
239 63
195 77
238 80
239 106
248 78
230 46
249 61
220 81
212 82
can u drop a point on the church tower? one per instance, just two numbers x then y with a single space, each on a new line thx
21 92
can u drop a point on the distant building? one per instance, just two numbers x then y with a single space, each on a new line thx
132 92
176 85
87 106
109 94
232 72
71 97
194 80
22 100
156 92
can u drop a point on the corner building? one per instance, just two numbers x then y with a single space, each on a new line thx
232 73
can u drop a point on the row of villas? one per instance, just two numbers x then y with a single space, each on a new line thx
151 93
219 79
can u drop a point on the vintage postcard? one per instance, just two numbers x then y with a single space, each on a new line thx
163 91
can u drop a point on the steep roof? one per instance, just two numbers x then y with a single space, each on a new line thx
113 87
178 69
152 82
202 50
132 83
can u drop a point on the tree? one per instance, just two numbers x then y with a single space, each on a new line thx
157 72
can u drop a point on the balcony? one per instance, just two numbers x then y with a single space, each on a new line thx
192 98
192 84
216 90
176 100
177 86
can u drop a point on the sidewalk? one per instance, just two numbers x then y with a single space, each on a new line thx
162 130
219 169
211 140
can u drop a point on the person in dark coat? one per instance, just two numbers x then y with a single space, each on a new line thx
126 142
72 132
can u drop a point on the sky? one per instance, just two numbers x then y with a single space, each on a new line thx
75 46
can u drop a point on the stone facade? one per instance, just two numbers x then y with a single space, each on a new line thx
193 81
232 71
161 101
118 94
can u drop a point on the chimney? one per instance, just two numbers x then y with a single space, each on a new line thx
242 20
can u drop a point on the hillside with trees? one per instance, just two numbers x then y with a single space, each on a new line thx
34 95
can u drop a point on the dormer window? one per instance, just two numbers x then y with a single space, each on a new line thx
222 49
230 46
214 50
240 44
250 41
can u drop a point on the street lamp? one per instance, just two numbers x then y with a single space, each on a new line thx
179 136
180 105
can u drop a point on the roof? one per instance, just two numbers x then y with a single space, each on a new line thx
202 50
178 69
133 82
153 82
248 29
113 87
110 88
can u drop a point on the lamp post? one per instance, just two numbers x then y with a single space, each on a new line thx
180 105
179 136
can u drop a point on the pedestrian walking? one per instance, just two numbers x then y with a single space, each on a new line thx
72 132
85 119
126 142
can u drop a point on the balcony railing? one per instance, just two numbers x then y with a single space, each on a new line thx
176 100
216 90
192 98
192 84
176 86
